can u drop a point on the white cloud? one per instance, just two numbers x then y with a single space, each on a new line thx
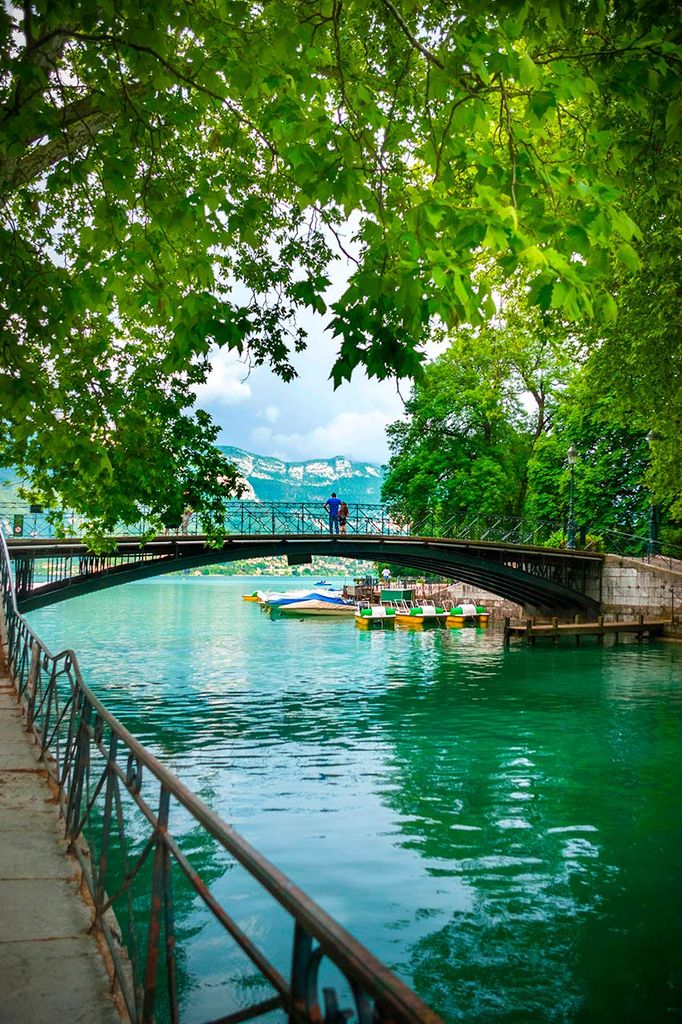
271 413
304 418
360 436
226 384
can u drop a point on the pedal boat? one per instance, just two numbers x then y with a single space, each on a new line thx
423 615
467 615
375 617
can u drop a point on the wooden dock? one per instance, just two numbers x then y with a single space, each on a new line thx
530 630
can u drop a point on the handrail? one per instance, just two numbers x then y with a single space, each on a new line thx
256 518
103 773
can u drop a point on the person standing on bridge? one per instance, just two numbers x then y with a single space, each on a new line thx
332 505
188 511
343 517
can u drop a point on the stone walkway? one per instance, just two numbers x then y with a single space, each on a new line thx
50 967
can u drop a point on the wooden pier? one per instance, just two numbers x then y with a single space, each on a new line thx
530 630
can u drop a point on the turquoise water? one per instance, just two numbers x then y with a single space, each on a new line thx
502 827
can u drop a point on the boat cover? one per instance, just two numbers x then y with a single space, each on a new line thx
305 598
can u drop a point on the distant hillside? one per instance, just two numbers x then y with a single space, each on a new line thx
271 479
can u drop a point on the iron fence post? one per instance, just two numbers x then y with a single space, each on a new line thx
570 541
79 767
52 700
106 826
304 1006
158 887
651 532
32 685
169 926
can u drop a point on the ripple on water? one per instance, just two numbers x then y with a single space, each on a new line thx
491 822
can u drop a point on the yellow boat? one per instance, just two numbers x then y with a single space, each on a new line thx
250 597
467 614
423 615
375 617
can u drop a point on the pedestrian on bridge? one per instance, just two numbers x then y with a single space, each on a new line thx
186 517
333 505
343 516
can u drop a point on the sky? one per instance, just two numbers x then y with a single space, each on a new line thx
307 418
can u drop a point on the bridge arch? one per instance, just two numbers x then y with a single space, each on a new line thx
550 580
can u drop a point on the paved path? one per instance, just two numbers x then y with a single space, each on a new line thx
50 967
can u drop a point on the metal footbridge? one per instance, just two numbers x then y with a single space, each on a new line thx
504 556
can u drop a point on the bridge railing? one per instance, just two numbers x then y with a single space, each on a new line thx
655 552
240 517
256 518
133 826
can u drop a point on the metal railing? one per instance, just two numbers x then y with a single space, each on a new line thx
256 518
662 554
253 518
119 804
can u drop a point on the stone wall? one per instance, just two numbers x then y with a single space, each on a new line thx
631 586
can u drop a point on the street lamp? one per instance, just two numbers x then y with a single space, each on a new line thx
651 537
572 456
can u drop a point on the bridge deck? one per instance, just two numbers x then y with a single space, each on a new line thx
50 966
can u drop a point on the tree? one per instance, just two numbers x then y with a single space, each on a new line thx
173 177
636 363
480 408
612 457
463 448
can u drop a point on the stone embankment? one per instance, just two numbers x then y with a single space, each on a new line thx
634 586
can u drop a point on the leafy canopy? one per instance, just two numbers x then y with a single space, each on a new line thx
476 414
177 176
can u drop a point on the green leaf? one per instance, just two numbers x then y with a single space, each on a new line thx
528 72
607 308
629 257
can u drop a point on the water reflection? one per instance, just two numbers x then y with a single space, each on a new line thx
502 827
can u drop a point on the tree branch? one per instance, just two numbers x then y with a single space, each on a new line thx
18 171
431 58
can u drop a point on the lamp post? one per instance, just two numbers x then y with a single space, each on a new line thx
651 536
572 456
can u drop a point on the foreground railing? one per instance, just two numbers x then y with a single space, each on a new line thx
133 827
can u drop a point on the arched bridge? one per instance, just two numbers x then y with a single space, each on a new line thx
500 558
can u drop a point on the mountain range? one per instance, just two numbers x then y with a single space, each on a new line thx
270 479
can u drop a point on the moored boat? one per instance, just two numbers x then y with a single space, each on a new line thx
251 597
468 614
374 617
319 601
422 615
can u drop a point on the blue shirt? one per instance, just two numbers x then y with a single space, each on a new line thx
333 504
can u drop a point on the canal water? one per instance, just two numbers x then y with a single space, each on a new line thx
502 827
